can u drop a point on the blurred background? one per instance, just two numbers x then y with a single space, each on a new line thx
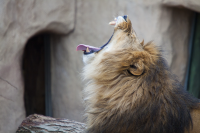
40 68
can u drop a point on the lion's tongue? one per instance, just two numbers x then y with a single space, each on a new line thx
84 47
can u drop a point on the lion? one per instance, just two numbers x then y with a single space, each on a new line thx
130 88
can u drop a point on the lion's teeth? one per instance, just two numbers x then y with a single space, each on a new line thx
87 50
112 23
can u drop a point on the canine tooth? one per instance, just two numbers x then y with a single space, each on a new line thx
87 50
112 23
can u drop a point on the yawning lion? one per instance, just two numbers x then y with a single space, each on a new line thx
131 89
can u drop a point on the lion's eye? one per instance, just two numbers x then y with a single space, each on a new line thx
133 66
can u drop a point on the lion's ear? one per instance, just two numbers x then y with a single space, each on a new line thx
137 68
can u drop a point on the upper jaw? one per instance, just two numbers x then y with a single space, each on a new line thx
118 20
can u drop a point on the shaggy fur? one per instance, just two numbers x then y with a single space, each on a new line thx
131 90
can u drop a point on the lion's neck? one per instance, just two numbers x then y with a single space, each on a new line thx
160 106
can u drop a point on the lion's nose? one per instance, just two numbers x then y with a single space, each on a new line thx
125 17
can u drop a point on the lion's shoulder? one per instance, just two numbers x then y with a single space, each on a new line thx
195 114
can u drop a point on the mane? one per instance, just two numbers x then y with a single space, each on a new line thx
154 102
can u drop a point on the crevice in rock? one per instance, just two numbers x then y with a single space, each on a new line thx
9 83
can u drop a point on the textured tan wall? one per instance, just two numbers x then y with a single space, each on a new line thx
84 21
19 20
66 81
190 4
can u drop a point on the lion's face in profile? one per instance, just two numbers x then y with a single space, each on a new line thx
124 54
130 88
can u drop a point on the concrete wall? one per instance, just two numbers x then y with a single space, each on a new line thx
20 20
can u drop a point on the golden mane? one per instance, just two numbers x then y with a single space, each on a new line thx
132 90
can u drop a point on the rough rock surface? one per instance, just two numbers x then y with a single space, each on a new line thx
21 19
190 4
84 21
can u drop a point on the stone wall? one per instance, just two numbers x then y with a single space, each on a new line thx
86 22
20 20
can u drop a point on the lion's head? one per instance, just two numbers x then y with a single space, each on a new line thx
123 46
130 88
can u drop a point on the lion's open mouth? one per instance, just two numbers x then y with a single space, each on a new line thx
91 49
87 49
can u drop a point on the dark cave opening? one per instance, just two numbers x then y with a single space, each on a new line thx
36 72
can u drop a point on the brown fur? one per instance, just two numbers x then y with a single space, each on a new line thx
131 90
